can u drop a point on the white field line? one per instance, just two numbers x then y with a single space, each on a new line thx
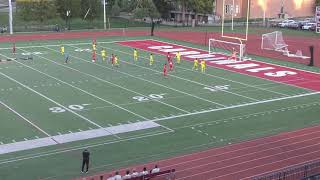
236 106
251 60
252 160
95 95
237 82
27 157
51 100
105 81
58 45
178 77
158 84
86 92
66 84
245 116
24 118
48 153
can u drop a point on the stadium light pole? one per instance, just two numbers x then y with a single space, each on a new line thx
10 17
104 15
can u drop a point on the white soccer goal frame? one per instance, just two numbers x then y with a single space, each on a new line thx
241 53
280 48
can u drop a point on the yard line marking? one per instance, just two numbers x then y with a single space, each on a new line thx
24 118
51 100
153 82
178 77
237 82
113 85
81 91
236 106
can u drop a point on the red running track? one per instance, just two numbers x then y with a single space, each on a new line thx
244 160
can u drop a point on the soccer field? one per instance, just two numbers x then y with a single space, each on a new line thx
51 111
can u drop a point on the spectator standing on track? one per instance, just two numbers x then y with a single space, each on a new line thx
85 160
127 176
117 176
156 169
134 173
144 172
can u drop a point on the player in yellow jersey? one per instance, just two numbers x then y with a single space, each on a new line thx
151 60
116 61
62 50
178 56
203 66
195 64
103 54
135 54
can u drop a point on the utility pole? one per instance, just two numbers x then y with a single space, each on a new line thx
104 15
10 17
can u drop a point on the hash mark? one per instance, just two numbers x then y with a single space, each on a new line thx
59 133
25 139
80 130
70 131
13 140
37 137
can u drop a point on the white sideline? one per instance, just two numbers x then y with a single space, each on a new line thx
71 137
236 106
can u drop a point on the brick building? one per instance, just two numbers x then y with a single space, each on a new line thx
271 8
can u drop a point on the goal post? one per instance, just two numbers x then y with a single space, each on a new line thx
227 47
273 41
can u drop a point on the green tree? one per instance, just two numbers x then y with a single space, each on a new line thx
201 6
68 5
164 7
146 9
93 7
40 10
115 11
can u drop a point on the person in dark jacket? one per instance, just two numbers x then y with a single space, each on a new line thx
85 160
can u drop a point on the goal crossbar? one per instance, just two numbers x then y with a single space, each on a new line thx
218 46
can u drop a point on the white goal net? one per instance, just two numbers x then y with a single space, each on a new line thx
274 41
226 47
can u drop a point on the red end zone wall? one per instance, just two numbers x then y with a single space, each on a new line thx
281 74
254 43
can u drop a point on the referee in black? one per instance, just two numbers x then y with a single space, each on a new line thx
85 160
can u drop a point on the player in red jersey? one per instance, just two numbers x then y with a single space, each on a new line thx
171 65
168 57
94 56
165 70
112 59
14 48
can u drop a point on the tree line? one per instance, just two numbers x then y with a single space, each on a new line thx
42 10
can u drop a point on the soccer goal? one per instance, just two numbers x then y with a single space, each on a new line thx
274 41
227 47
